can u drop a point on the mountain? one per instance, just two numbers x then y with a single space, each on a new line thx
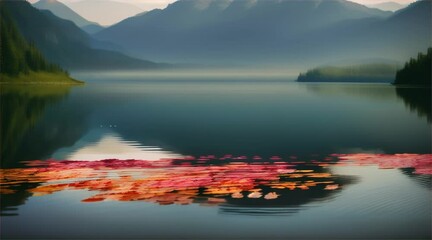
21 61
273 32
397 37
97 10
63 43
63 11
230 30
92 28
387 6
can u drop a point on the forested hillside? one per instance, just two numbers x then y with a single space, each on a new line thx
17 55
416 71
64 43
383 73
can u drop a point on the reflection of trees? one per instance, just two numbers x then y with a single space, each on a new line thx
27 130
369 91
31 130
9 202
238 186
289 201
417 99
21 108
422 180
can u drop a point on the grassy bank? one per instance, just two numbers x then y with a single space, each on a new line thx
39 78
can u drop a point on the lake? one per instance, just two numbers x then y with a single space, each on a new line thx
165 157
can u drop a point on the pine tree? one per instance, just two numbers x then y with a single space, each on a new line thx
17 55
416 71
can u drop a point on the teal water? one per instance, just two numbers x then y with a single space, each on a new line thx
150 119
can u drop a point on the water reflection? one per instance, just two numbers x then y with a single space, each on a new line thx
33 125
237 184
169 121
104 144
422 180
10 201
418 100
209 118
234 183
374 92
35 121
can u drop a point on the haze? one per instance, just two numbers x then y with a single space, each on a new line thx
109 16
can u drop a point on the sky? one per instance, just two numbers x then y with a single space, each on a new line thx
151 4
147 5
381 1
143 4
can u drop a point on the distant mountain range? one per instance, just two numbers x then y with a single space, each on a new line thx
273 32
105 12
282 33
387 6
63 43
63 11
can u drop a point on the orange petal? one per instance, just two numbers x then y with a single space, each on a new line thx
271 195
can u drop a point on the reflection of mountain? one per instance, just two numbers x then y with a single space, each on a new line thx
236 184
240 119
417 99
29 130
288 202
105 144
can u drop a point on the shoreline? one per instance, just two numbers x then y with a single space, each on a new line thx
43 83
39 78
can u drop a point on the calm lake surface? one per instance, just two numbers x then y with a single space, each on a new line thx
131 157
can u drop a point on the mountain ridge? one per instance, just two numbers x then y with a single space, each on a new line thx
387 6
236 31
96 10
62 11
21 61
65 44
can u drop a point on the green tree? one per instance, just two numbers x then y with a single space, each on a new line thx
416 71
17 55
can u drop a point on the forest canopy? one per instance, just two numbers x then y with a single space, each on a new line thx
373 72
17 55
416 71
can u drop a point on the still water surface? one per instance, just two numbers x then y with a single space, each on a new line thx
216 159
